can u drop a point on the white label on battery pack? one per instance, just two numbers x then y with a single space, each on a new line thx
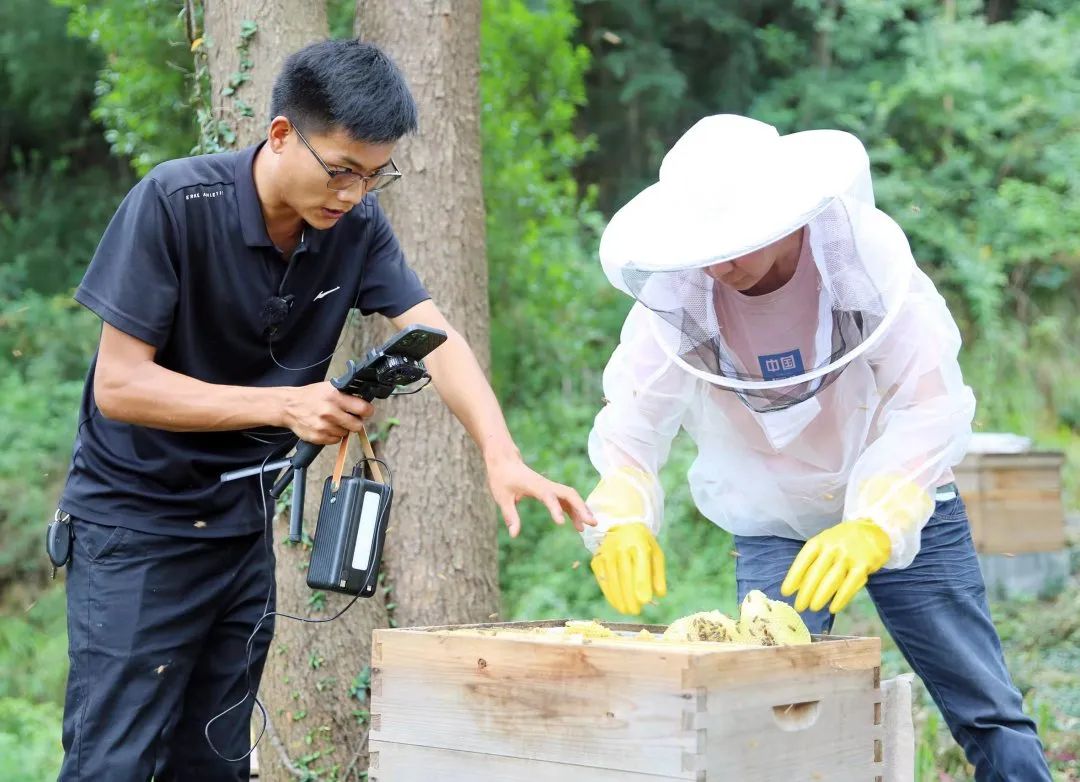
365 533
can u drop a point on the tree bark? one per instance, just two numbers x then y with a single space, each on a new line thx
247 63
441 557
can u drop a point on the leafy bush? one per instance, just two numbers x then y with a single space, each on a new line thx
48 340
29 740
143 90
33 669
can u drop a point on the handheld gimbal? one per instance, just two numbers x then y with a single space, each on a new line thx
353 514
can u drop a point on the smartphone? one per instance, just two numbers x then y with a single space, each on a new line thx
414 342
394 363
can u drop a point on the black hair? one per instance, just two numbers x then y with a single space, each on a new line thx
352 85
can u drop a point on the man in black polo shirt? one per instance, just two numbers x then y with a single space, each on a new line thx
223 283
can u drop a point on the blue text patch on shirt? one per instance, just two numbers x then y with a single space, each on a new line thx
777 366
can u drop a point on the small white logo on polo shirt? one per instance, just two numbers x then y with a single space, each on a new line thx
325 293
203 194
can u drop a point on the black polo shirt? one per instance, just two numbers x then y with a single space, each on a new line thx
187 266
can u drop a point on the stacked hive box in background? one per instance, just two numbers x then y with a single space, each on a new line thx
483 704
1014 501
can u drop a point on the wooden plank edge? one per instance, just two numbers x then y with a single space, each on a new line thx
377 746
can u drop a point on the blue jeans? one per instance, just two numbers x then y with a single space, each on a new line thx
937 613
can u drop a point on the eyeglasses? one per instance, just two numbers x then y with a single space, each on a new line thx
346 179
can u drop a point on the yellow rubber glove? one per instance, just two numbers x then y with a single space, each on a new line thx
629 567
834 565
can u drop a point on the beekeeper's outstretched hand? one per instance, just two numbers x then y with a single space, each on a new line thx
628 564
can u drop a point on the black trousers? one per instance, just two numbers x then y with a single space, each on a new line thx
157 628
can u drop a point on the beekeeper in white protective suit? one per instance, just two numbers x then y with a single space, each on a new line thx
781 320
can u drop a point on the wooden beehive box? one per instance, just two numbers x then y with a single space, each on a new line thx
1014 501
452 706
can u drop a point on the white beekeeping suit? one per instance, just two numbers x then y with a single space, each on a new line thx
864 422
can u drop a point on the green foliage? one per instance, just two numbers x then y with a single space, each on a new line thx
973 131
661 66
47 341
33 646
34 52
58 192
141 92
541 237
341 15
33 669
541 229
51 218
57 188
29 739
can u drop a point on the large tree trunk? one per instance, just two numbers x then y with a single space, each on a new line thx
441 559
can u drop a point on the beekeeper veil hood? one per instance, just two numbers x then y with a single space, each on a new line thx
732 185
